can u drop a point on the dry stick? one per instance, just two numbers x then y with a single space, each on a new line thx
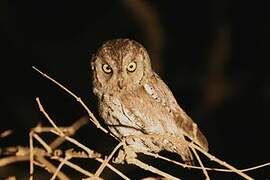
223 163
71 129
114 169
74 166
211 157
196 167
39 164
59 167
83 155
51 167
201 164
57 142
5 133
73 141
78 124
48 129
17 158
150 168
11 178
59 132
42 142
12 159
92 117
48 117
49 150
256 167
89 151
31 154
103 165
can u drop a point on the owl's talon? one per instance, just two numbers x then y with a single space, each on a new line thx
120 157
130 153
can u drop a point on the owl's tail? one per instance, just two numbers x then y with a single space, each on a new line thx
186 155
180 146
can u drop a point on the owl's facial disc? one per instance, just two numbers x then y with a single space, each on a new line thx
121 64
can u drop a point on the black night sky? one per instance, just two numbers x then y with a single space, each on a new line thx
212 54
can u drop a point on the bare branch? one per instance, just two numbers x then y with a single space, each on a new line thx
91 115
31 154
5 133
50 167
59 167
43 143
104 164
71 131
114 169
223 163
42 156
150 168
12 159
201 164
48 117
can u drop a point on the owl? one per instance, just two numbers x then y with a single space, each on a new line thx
133 100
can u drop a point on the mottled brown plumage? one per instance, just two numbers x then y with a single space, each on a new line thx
133 100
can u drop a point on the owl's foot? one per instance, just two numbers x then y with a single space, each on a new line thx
120 159
127 153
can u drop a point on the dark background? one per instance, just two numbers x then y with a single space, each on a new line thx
213 55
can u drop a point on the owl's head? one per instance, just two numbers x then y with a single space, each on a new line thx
120 64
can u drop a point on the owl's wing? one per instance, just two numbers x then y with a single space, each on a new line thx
183 121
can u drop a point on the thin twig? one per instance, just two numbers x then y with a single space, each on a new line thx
5 133
71 131
42 142
31 154
114 169
50 167
150 168
90 152
48 117
12 159
73 141
135 161
59 167
201 164
200 168
74 166
256 167
91 115
223 163
103 165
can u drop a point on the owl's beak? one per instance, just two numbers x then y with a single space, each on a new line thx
120 83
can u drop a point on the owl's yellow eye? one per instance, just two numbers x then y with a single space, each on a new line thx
106 68
132 66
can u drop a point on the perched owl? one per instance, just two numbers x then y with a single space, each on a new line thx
133 100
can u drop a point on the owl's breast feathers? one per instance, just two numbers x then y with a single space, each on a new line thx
160 92
151 109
